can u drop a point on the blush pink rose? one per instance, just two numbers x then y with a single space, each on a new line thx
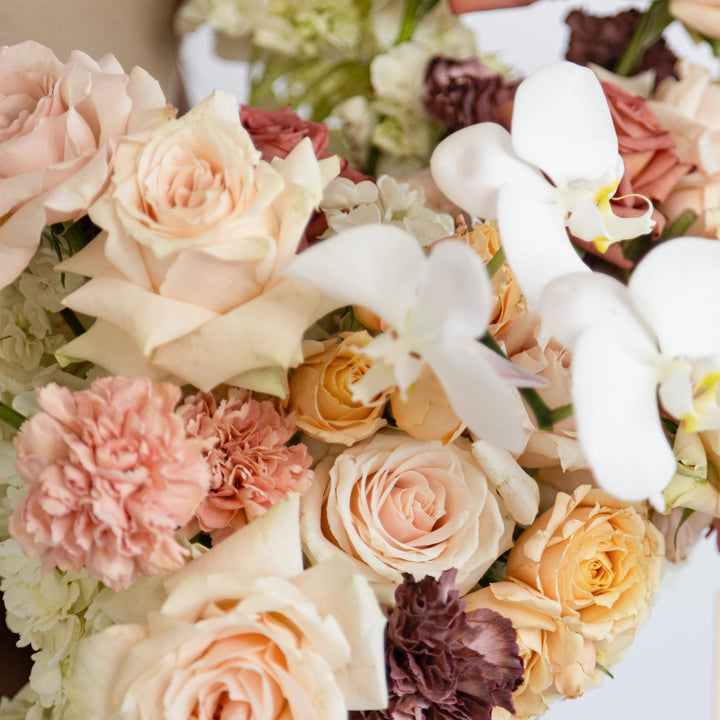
245 445
112 475
59 127
400 505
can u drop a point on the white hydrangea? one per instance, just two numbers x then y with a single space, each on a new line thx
301 28
41 283
47 611
399 73
11 485
347 204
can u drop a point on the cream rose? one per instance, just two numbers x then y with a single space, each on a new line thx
242 632
59 126
700 15
395 504
187 279
320 392
598 557
558 660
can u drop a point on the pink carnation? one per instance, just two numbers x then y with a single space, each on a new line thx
245 444
112 475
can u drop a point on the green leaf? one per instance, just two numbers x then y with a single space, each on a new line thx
649 31
603 669
686 513
10 416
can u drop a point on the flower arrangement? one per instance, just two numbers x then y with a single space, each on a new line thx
296 427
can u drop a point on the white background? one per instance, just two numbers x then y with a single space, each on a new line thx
669 670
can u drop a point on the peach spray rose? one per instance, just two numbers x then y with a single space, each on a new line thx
598 557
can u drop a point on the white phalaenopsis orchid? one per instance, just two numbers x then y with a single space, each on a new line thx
435 308
562 130
657 336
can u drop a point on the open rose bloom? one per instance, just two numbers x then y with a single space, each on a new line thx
187 279
61 123
241 631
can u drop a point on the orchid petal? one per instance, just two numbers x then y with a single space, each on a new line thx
472 164
377 266
562 123
615 407
676 394
676 289
482 400
535 242
454 298
599 225
573 303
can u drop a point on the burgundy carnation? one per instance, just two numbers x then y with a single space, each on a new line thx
602 41
245 445
444 663
459 93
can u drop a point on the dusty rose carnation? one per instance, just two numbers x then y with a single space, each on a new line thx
652 165
443 662
245 444
112 475
276 132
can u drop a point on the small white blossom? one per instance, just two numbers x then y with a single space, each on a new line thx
347 204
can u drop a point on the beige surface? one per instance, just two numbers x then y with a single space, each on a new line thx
137 32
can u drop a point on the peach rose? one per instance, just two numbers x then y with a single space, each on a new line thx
690 108
484 239
395 504
598 557
320 394
558 660
244 633
700 15
425 412
60 126
187 279
701 194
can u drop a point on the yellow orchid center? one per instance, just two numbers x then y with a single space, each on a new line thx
602 201
705 402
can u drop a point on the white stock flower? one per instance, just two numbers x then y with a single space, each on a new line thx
634 344
561 130
435 308
347 204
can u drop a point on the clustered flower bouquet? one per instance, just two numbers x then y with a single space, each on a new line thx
285 439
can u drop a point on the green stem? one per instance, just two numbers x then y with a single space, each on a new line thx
415 10
10 416
495 262
680 225
72 322
648 32
544 416
372 160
